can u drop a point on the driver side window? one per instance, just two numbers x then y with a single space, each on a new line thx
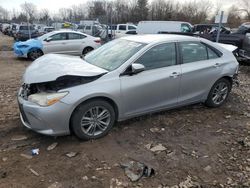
162 55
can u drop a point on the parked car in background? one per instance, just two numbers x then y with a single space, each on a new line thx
117 31
60 42
25 32
124 78
209 29
4 26
46 29
154 27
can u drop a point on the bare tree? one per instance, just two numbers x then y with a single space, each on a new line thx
30 10
4 14
44 16
245 7
234 17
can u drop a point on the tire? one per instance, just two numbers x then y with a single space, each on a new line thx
219 93
82 119
87 50
34 54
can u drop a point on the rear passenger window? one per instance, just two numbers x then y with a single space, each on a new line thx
75 36
163 55
212 54
193 51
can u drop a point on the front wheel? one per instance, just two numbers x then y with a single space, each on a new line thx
92 120
219 93
34 54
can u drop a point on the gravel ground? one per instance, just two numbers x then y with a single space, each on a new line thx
201 147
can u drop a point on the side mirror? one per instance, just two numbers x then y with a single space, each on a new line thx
137 68
48 39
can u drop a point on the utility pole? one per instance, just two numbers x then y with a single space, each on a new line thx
220 24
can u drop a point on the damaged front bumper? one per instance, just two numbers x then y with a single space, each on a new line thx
52 120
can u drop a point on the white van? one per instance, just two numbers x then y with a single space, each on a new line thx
121 30
154 27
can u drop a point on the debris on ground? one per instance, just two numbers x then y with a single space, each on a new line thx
71 154
26 156
4 159
115 183
156 148
52 146
245 142
156 129
85 178
207 168
35 151
19 138
136 170
56 185
3 174
33 172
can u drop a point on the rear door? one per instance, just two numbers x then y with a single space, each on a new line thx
57 44
75 43
155 88
201 67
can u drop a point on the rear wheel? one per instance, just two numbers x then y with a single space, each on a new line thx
34 54
219 93
93 119
87 50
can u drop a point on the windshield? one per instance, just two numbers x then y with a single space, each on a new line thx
113 54
26 28
44 36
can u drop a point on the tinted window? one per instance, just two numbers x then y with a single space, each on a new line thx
131 27
26 28
193 51
75 36
114 27
88 27
122 27
159 56
59 36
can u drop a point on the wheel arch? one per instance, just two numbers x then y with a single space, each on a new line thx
34 48
104 98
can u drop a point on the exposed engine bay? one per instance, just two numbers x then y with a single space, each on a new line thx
56 85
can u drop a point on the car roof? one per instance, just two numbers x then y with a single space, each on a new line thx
67 31
154 38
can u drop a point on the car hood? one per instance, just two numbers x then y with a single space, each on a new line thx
52 66
31 42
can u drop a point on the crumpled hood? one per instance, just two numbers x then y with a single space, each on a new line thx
51 66
31 43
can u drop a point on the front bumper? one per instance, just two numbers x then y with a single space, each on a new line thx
52 120
19 52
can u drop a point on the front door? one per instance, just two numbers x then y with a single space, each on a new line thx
155 88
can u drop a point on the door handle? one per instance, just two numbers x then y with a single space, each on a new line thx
174 74
216 65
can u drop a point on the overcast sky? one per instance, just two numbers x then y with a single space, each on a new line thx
54 5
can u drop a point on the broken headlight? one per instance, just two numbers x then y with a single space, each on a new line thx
46 99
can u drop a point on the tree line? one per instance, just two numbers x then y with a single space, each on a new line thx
123 11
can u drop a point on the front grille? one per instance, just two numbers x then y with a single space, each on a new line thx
25 91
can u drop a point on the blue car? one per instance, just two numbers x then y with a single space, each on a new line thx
59 42
32 48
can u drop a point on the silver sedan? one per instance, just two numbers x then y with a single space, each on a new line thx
124 78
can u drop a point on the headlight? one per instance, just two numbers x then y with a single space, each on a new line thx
23 46
46 99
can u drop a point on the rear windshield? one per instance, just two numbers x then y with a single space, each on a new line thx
26 28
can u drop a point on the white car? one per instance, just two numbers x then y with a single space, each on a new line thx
120 30
59 42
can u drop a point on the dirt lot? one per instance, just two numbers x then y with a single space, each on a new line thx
203 147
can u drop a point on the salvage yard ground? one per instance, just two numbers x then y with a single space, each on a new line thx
203 147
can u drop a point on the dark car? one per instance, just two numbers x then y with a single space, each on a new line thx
209 29
25 32
243 29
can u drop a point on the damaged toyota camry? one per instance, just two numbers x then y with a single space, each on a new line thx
125 78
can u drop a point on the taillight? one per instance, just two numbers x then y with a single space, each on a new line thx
98 41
